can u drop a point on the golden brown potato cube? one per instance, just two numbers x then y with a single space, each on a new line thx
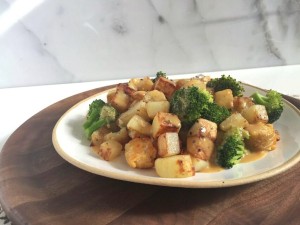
255 114
204 128
139 108
154 107
109 150
241 103
144 84
262 137
201 148
224 98
97 136
166 86
154 96
168 144
138 124
140 153
234 120
138 95
120 136
118 99
165 122
176 166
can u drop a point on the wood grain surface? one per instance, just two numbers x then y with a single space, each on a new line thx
38 187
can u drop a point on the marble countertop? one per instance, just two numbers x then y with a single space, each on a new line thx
52 42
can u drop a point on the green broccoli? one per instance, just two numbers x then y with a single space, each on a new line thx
232 148
273 103
226 82
99 114
189 104
93 113
215 113
158 75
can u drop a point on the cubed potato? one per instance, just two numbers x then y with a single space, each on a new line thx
224 98
120 136
118 99
144 84
241 103
168 144
165 122
177 166
204 128
255 114
234 120
138 95
166 86
138 124
139 108
154 96
140 153
199 164
154 107
109 150
262 137
134 134
201 148
97 136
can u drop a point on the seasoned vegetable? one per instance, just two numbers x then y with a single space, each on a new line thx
273 103
190 103
177 166
158 75
215 113
140 153
226 82
99 115
263 137
232 149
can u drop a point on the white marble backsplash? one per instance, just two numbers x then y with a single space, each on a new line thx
63 41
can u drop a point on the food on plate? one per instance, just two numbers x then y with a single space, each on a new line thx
273 103
225 83
232 148
182 127
100 114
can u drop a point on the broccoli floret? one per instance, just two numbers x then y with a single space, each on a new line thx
232 148
99 114
272 101
189 104
158 75
94 112
226 82
215 113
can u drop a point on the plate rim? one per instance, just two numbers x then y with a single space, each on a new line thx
172 182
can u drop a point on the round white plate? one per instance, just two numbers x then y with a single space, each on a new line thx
69 141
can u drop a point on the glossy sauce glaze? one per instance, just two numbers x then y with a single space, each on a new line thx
248 157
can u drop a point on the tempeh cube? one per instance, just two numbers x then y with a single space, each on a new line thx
168 144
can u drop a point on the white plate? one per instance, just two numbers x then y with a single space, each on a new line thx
69 141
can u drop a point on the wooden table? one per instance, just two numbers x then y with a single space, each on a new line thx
38 187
